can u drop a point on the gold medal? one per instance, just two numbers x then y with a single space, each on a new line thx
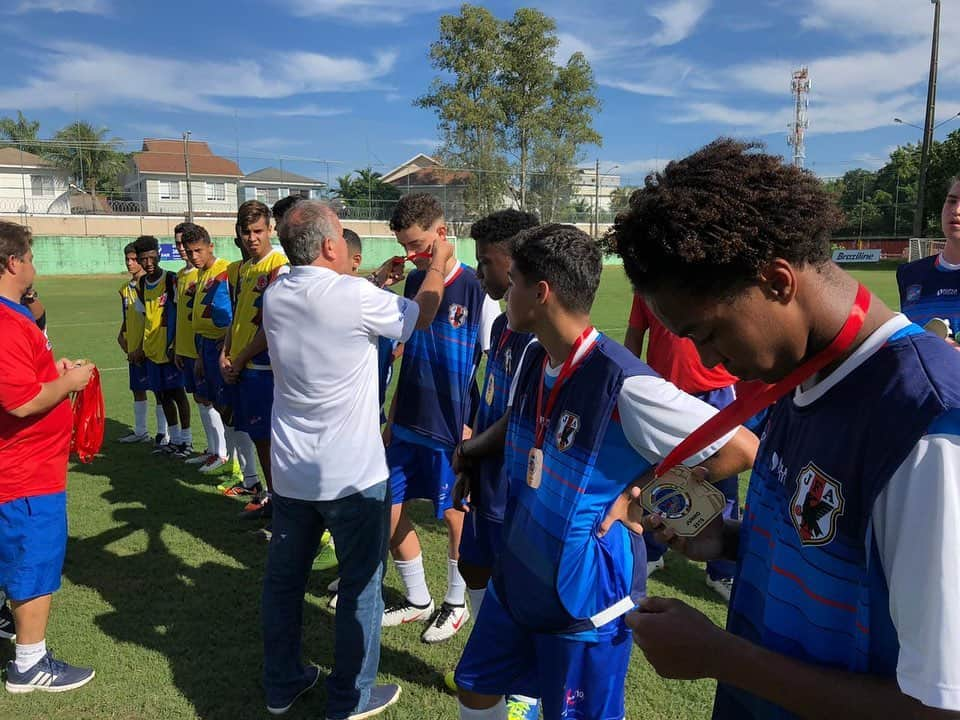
939 327
490 389
683 503
534 467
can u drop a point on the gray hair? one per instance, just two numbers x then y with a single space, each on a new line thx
304 228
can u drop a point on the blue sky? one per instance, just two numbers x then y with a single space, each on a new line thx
335 79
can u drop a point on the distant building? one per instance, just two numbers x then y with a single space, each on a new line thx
424 174
31 184
585 187
156 178
270 184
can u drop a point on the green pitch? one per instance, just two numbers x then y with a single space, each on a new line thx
161 584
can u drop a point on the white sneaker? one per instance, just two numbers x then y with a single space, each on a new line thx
132 437
213 464
200 459
722 587
406 612
653 566
445 623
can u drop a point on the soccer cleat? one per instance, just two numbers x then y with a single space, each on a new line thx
132 437
8 629
381 697
213 466
445 623
326 559
721 586
449 682
520 708
161 444
228 482
654 565
48 675
240 490
258 508
182 450
200 459
406 612
278 706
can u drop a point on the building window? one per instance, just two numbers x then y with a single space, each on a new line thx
169 189
216 191
268 195
41 185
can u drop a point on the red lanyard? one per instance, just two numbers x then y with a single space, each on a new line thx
755 400
504 336
569 367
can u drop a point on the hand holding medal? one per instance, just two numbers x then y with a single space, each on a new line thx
684 501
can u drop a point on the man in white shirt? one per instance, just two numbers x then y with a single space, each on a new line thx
329 465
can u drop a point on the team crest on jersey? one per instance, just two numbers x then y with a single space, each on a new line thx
491 389
816 505
457 315
262 283
913 293
567 430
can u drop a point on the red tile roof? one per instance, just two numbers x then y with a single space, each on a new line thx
166 156
433 176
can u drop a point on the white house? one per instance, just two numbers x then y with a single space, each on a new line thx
157 178
424 174
270 184
585 186
32 185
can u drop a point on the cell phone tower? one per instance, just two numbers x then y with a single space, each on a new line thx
801 103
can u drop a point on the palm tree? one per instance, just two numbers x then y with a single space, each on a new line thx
20 133
92 160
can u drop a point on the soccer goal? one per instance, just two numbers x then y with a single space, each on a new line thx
923 247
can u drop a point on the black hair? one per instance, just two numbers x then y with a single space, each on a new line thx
129 248
499 227
565 257
181 228
353 240
710 222
421 209
281 206
195 233
145 244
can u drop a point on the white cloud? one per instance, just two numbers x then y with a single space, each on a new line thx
892 18
678 20
388 12
310 111
570 44
86 7
639 88
431 143
95 76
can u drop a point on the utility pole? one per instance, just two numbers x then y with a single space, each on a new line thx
801 103
918 224
186 164
596 200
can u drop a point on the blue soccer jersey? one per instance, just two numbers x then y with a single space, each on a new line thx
506 348
929 289
613 419
439 363
848 545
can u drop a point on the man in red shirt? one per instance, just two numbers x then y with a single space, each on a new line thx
677 360
35 427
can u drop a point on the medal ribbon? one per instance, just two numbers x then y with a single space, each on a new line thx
762 395
504 336
569 367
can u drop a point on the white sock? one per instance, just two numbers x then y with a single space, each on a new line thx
456 585
414 580
248 459
173 431
186 436
161 421
476 599
30 655
497 712
140 417
216 442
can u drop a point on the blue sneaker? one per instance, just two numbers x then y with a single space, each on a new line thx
310 676
522 708
8 628
381 697
48 675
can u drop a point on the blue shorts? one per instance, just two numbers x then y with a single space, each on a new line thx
212 381
33 542
163 376
253 403
572 678
481 540
187 371
139 382
418 471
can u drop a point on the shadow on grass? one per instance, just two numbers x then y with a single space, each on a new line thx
169 596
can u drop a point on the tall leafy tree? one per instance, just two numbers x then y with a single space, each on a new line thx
92 159
21 133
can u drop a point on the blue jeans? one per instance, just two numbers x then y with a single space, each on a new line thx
360 525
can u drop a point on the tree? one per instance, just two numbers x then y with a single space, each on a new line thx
620 198
21 133
367 192
92 160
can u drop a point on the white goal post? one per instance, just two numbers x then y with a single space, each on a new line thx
924 247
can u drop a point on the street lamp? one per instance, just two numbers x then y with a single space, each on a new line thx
928 122
935 127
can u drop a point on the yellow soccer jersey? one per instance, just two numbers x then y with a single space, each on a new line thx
186 293
233 278
248 314
132 318
212 309
157 308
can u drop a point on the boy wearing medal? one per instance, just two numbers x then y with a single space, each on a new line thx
844 603
587 419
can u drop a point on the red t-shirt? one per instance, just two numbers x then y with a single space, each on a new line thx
33 450
676 358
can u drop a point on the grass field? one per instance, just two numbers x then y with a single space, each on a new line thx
161 583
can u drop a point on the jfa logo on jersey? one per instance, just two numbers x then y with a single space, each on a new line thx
913 293
816 505
262 283
457 315
567 430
